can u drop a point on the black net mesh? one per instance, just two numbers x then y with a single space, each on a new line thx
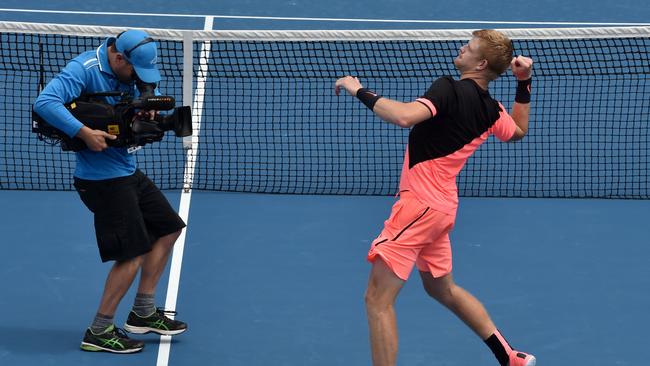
270 121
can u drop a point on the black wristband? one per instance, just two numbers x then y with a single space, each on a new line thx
368 97
523 91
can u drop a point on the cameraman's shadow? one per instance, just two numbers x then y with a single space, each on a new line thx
16 340
25 341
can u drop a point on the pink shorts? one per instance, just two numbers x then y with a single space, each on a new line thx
414 233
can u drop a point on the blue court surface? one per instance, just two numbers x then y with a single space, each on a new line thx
279 279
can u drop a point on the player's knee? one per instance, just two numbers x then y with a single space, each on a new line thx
374 300
370 298
441 292
432 291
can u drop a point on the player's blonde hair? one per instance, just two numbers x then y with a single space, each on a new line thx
496 48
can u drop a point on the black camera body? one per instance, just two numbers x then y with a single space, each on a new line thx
121 119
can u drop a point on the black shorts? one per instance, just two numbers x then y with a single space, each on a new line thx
130 214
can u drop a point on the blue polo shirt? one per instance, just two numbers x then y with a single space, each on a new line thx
87 73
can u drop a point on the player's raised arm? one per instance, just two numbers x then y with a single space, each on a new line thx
398 113
522 68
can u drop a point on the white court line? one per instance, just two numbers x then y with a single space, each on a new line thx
186 195
359 20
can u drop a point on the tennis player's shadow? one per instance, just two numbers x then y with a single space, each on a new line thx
30 340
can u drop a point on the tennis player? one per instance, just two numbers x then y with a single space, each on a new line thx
448 124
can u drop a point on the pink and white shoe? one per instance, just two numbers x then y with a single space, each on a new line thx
521 359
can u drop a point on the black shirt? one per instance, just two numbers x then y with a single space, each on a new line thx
464 111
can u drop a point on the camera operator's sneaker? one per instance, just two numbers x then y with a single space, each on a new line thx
521 359
157 322
112 339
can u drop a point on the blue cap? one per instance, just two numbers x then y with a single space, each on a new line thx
141 52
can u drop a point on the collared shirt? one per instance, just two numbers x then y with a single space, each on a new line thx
464 116
89 72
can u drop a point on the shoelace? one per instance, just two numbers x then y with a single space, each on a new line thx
165 311
119 332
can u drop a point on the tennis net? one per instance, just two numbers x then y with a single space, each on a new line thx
267 120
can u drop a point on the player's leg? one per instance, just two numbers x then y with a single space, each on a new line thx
383 288
434 264
473 313
460 302
393 254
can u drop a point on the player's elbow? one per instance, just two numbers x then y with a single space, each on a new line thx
404 122
518 135
404 115
407 119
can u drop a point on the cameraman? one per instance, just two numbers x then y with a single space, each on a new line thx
134 223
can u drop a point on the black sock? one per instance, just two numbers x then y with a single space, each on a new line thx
499 347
